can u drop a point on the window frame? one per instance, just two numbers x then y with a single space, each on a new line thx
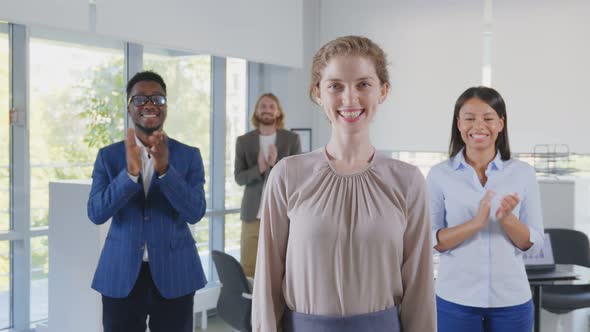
20 233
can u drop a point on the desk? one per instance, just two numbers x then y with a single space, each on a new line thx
564 275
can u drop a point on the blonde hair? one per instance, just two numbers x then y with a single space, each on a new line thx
348 46
280 120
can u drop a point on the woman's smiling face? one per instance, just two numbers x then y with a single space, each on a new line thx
479 125
350 92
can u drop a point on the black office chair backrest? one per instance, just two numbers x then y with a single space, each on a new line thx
569 246
232 307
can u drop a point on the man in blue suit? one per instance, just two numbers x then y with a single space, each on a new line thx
152 188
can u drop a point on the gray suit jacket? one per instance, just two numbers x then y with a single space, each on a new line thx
246 166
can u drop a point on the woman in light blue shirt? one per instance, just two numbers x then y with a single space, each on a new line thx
485 213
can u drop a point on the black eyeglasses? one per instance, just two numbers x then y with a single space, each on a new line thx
140 100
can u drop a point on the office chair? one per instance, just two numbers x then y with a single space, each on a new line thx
569 247
235 300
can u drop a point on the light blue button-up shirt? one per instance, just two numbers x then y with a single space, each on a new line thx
487 269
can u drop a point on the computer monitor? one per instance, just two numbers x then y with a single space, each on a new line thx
543 259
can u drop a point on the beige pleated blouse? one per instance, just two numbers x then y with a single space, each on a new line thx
342 245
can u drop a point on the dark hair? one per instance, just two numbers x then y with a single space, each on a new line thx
495 101
145 76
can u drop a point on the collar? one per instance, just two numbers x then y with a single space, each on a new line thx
497 163
459 162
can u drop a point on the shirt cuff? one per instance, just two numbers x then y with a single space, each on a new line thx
163 175
536 239
133 177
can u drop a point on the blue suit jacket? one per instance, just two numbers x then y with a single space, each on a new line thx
160 220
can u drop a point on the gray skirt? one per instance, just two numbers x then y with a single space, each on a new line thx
381 321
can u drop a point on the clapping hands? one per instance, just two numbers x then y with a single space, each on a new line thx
157 149
158 143
265 163
507 204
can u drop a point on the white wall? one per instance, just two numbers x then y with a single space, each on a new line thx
291 85
266 31
541 64
303 113
539 59
434 50
44 12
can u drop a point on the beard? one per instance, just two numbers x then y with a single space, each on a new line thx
267 120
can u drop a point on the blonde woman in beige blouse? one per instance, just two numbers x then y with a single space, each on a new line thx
345 236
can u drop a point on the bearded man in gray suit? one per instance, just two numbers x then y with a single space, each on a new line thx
256 153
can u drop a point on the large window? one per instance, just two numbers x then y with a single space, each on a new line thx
5 261
233 228
39 285
76 107
188 87
236 101
4 133
5 293
236 95
423 160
